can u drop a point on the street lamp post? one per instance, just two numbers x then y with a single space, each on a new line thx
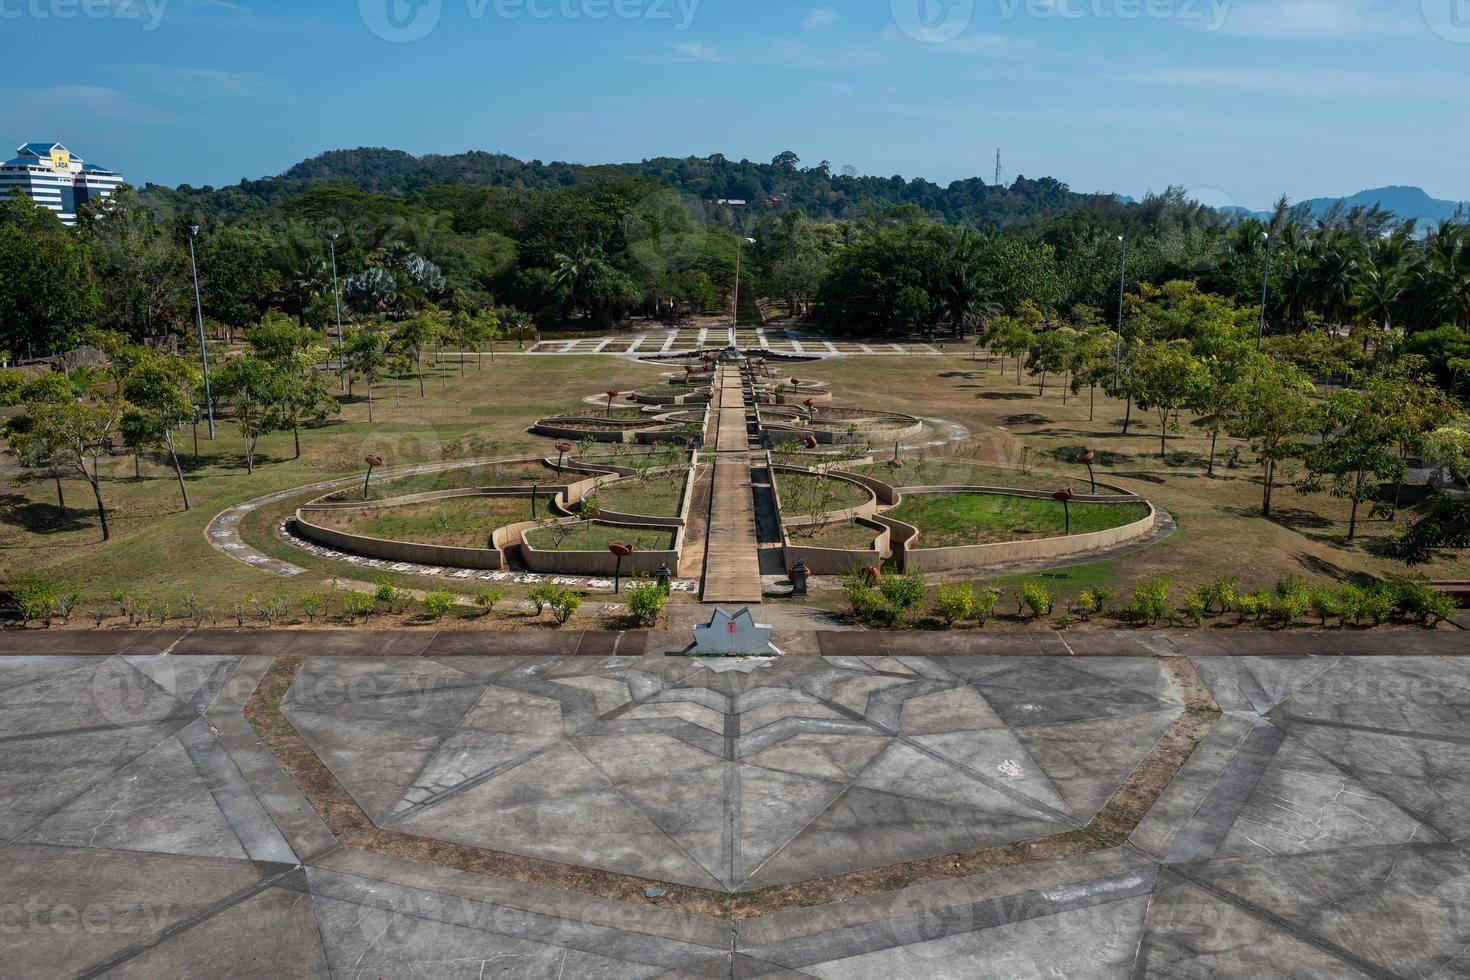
1265 288
199 319
1122 288
735 316
337 293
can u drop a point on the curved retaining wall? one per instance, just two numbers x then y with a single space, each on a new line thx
834 561
867 509
490 559
599 563
911 558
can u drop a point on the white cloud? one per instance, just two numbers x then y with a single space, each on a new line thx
1311 84
819 19
1337 20
186 81
697 51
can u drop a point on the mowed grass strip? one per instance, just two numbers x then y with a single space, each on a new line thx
804 494
962 473
597 537
845 536
951 520
656 495
461 522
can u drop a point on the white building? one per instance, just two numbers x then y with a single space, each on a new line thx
51 176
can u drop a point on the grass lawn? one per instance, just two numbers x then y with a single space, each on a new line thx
948 520
803 494
922 472
846 536
597 537
657 495
462 522
159 549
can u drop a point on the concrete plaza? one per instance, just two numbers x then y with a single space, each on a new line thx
1318 830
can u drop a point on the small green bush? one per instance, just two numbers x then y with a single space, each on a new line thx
564 605
488 598
646 601
955 602
1039 598
1351 605
36 598
903 593
359 605
311 605
1219 594
1324 603
1102 599
541 594
986 598
1378 604
1150 601
863 601
438 603
1196 605
1421 601
397 600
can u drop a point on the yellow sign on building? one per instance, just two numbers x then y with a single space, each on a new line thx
60 159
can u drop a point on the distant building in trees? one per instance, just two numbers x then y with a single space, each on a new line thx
51 176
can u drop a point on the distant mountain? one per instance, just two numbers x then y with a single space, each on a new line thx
1406 203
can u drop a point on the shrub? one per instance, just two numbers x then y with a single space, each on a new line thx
239 613
194 609
397 600
954 602
1150 601
1351 604
311 604
488 598
359 605
1290 604
438 603
564 605
863 601
1196 605
98 615
1102 598
541 595
984 603
903 593
1378 603
273 609
1421 601
1038 597
1219 594
1066 621
1086 605
36 597
646 601
1324 603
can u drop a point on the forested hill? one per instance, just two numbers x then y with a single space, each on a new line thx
783 183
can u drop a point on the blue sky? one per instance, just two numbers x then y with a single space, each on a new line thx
1239 100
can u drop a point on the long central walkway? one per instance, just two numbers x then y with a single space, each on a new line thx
732 564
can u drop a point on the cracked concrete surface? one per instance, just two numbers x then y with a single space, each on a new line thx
1318 831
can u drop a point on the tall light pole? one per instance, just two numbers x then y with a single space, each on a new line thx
735 318
1265 287
1122 288
341 357
199 319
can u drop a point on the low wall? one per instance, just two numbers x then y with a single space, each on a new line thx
912 557
600 563
489 559
834 561
867 509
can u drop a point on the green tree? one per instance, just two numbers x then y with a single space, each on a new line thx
1272 410
46 292
1356 457
67 431
250 386
160 392
1165 375
367 357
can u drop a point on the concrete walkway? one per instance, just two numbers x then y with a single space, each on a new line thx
732 565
